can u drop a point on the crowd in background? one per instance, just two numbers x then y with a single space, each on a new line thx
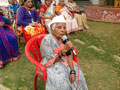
32 18
56 18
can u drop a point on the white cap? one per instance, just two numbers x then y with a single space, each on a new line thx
57 19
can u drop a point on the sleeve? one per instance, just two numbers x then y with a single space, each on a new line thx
8 7
47 52
58 8
18 6
20 17
37 18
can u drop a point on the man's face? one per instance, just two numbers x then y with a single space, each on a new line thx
60 30
28 3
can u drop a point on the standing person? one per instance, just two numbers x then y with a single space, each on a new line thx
8 43
80 16
62 72
71 23
47 12
29 19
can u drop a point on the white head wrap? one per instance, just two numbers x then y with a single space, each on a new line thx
57 19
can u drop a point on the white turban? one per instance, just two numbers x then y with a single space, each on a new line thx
57 19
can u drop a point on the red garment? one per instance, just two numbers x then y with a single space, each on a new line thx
42 9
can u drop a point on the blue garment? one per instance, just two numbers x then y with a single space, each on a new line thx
13 8
24 17
8 44
39 1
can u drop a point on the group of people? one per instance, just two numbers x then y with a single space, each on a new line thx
75 18
59 20
27 15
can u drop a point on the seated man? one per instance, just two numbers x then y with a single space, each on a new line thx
29 19
62 72
8 43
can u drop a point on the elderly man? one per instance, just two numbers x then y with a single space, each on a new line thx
62 73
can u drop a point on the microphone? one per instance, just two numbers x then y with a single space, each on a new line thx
65 39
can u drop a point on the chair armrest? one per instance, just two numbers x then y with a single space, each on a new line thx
42 67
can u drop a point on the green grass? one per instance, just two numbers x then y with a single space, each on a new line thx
101 70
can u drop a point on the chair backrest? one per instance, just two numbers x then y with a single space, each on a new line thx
33 47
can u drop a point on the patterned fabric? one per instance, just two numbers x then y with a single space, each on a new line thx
71 5
24 17
71 23
32 31
8 45
48 11
79 16
58 73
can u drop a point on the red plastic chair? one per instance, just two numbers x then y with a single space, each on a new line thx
33 47
42 21
25 35
11 29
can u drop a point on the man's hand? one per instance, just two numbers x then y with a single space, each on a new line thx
72 78
68 46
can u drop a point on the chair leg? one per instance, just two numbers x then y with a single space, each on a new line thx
35 82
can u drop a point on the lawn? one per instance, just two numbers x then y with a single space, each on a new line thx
101 69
